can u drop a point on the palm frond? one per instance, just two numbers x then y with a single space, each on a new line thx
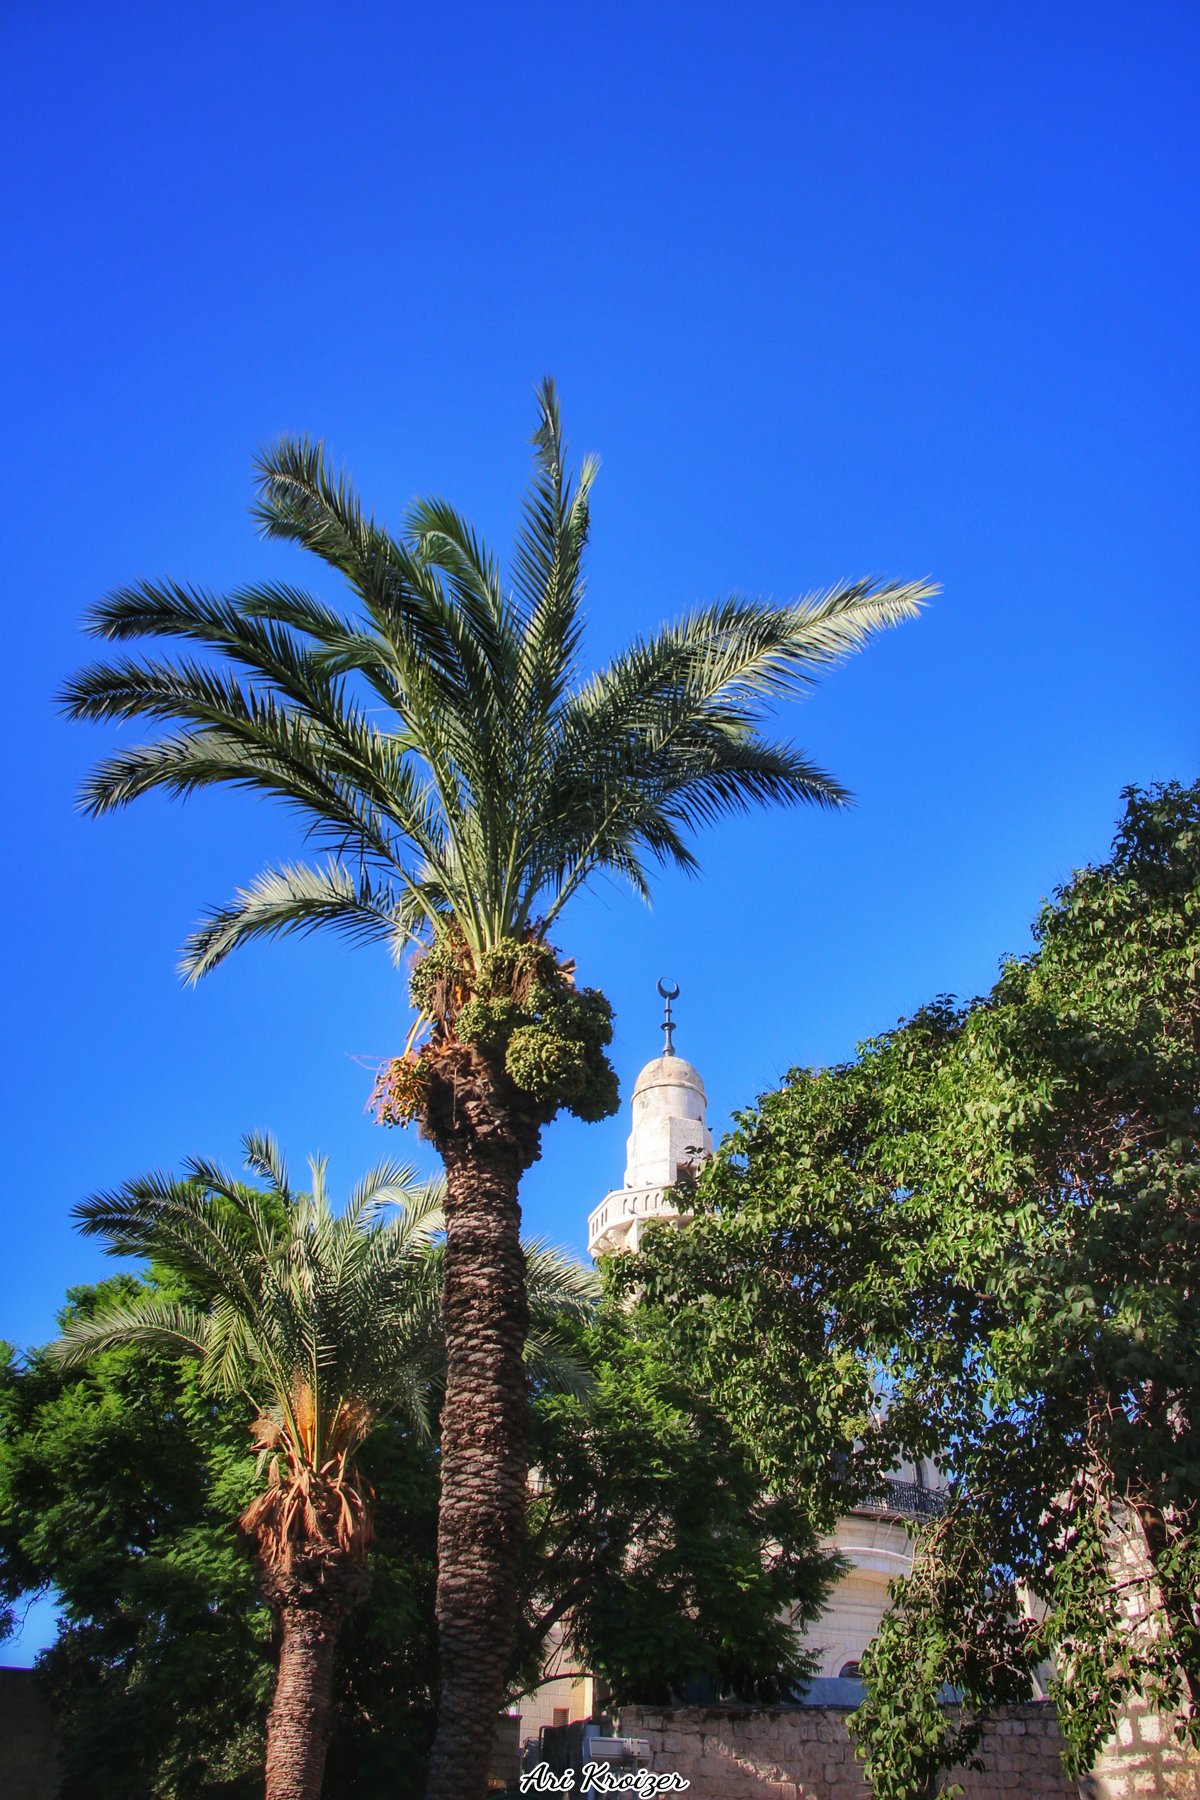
666 736
562 1293
254 628
351 783
297 898
558 1284
159 1325
310 1312
446 541
548 564
158 1215
265 1158
554 1364
302 501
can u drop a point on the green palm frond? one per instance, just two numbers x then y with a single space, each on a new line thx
157 1215
419 1201
298 898
179 1330
558 1285
295 1299
548 565
447 542
554 1363
664 740
265 1158
302 501
562 1293
436 735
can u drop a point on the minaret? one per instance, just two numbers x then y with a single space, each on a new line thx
669 1134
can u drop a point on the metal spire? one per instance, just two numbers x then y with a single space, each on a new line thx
669 991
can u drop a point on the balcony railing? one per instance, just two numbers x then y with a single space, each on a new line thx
904 1498
619 1209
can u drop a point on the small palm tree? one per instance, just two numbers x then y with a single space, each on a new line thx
324 1325
466 780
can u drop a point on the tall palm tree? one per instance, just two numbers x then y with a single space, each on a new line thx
324 1324
443 747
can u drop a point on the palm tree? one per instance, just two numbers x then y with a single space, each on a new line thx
465 780
324 1325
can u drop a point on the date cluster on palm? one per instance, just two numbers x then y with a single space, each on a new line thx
514 1008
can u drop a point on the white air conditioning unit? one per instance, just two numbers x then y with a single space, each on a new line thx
618 1752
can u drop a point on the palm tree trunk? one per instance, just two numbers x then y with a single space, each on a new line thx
302 1711
486 1141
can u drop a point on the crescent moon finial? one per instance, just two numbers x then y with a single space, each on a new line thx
668 990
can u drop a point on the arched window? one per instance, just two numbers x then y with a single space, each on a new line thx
851 1671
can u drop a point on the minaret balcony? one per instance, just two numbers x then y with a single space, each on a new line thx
616 1223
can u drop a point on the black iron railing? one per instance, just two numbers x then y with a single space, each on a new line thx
903 1497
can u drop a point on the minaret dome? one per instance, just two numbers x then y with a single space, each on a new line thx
669 1133
669 1128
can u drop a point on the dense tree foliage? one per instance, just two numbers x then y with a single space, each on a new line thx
656 1540
652 1536
120 1488
993 1215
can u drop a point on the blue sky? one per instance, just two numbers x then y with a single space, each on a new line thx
833 289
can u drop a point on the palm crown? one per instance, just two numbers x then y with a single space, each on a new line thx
441 743
325 1322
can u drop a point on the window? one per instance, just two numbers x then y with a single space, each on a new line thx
850 1671
562 1714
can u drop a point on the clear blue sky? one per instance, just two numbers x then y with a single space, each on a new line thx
831 288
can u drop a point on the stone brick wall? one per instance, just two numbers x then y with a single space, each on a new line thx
1145 1757
28 1756
805 1753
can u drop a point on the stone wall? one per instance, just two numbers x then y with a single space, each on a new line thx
805 1753
28 1754
1145 1757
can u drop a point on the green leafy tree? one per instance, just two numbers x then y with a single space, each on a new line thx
656 1548
652 1537
940 1661
120 1486
323 1326
442 743
994 1213
1052 1200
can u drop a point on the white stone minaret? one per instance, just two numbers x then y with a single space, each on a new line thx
669 1134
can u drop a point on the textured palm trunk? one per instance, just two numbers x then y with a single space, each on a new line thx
302 1711
486 1142
310 1590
